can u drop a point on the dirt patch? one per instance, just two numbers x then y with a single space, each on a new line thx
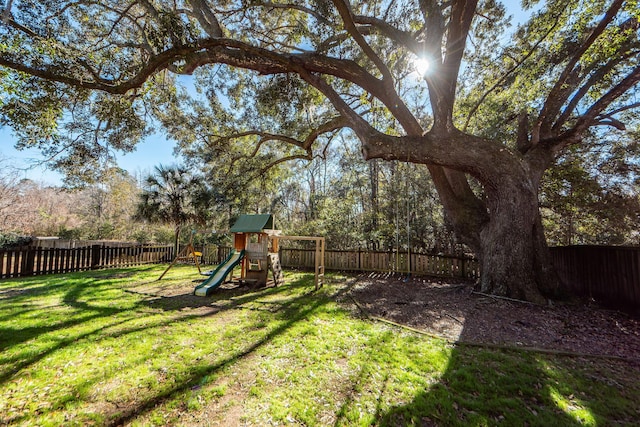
179 296
453 311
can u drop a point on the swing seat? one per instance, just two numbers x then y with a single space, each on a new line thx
191 258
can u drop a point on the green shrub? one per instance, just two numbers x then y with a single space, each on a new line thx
11 240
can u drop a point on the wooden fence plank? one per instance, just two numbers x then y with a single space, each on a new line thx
15 271
51 253
3 263
38 261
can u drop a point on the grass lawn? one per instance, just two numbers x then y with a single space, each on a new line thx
98 348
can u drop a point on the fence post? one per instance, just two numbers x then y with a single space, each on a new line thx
95 257
29 261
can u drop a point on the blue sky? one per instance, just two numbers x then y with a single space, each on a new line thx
154 150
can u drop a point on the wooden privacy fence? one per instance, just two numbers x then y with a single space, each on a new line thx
36 261
211 253
393 262
609 273
52 242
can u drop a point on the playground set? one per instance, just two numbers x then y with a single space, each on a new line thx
188 254
256 243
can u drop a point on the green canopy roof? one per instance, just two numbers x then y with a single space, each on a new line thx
253 223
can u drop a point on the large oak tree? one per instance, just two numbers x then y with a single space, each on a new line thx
499 111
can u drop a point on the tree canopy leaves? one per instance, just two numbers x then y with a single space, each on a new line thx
278 81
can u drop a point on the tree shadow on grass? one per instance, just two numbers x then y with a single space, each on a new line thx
79 309
224 298
75 296
138 315
484 385
291 309
22 360
476 390
50 320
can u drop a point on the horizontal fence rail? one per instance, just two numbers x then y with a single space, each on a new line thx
37 261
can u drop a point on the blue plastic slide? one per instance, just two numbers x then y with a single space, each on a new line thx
218 275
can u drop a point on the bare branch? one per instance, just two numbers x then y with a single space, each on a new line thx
559 93
590 118
12 23
621 109
628 82
300 8
352 29
283 160
6 13
402 38
593 80
206 18
332 125
611 122
518 64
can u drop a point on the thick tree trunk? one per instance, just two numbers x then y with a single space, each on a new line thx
515 259
503 227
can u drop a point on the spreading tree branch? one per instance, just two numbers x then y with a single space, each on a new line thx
561 89
513 69
594 79
632 79
400 37
306 144
345 13
591 116
267 4
206 18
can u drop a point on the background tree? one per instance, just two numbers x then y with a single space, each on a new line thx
109 205
43 210
31 208
487 133
173 196
9 193
593 198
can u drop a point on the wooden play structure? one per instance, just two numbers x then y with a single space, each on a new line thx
256 244
319 254
187 254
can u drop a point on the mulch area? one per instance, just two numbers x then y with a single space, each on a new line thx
452 310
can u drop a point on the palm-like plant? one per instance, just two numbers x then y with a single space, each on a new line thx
172 195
